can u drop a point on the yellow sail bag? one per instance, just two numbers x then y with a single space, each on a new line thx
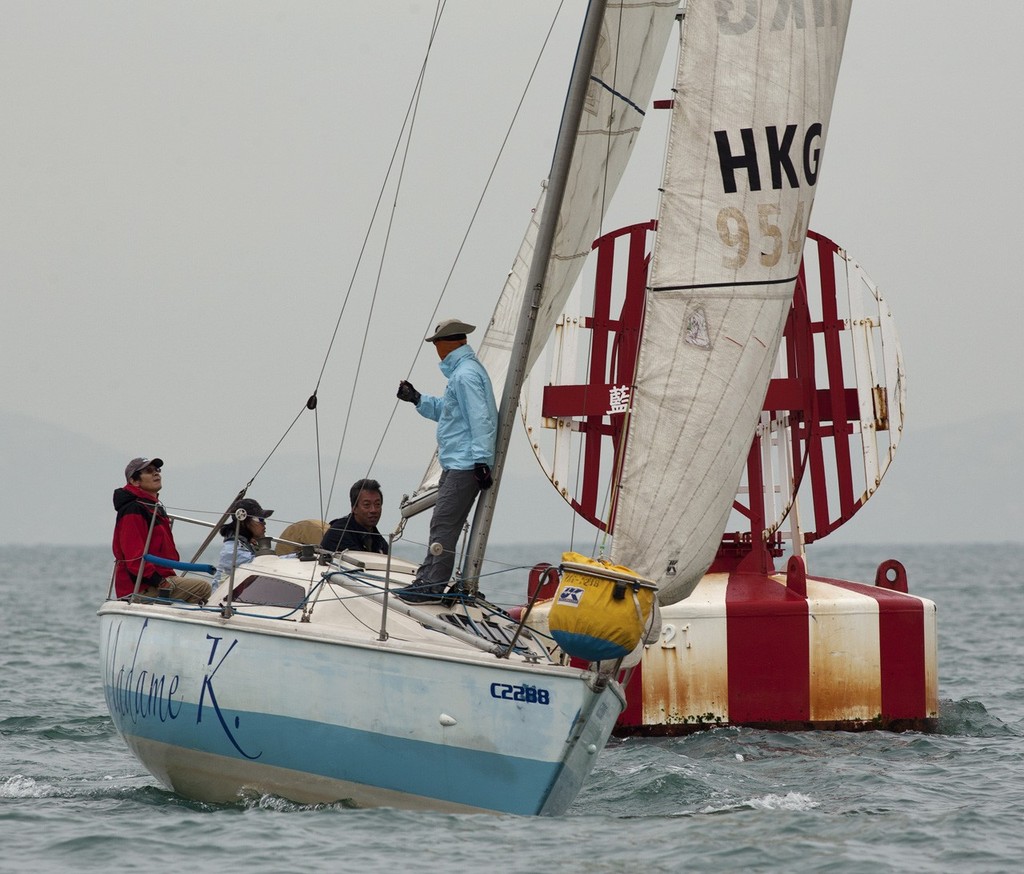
600 609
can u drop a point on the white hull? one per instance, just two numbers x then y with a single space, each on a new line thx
324 711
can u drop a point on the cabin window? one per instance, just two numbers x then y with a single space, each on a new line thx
269 592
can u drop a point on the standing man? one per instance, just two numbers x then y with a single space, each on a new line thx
138 510
358 530
467 427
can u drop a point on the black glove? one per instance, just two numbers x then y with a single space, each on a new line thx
406 392
483 476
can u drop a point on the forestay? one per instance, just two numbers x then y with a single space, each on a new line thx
751 113
632 46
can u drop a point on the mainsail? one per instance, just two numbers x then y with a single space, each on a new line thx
631 49
753 100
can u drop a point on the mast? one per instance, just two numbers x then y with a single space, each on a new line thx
560 164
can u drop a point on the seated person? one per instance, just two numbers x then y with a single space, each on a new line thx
142 520
241 548
358 530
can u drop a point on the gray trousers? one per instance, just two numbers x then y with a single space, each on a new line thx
456 491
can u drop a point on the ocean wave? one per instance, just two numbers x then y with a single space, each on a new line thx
20 786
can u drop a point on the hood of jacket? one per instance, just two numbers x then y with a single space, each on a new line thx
129 494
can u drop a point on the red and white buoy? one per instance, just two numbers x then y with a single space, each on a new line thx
752 645
788 651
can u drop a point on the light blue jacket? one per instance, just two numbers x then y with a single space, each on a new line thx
227 553
466 416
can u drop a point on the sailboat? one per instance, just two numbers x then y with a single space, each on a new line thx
305 678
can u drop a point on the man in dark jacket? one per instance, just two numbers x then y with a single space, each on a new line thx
358 530
142 520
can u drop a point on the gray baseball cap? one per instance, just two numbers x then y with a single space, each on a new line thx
451 329
136 464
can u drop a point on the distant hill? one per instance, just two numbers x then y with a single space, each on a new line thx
54 484
951 484
57 486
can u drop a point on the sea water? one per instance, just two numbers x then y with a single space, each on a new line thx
73 798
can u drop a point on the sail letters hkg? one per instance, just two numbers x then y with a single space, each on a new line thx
779 159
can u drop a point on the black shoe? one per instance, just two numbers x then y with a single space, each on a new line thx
458 594
420 593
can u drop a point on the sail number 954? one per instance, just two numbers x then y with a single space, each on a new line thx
769 238
527 694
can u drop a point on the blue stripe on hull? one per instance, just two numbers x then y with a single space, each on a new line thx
464 776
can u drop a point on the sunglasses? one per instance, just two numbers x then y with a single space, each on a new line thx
151 470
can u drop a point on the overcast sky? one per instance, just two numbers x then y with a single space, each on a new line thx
185 187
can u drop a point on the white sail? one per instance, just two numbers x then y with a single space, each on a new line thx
752 106
633 40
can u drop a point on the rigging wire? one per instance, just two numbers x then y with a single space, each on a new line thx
612 486
410 109
601 537
612 496
311 402
408 125
490 175
466 234
404 136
